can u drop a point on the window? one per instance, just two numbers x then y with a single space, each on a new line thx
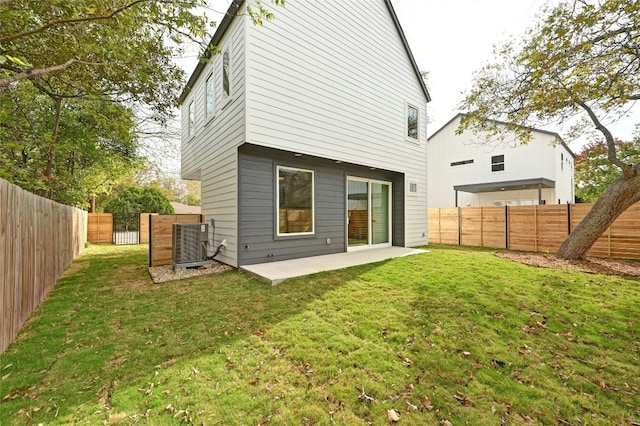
413 187
295 201
226 84
412 122
192 119
497 163
209 96
460 163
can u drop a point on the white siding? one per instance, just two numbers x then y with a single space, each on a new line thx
332 79
538 159
211 154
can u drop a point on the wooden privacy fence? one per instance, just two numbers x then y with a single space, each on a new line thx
38 237
532 228
100 228
161 230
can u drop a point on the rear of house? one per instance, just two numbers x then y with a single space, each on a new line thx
309 133
470 170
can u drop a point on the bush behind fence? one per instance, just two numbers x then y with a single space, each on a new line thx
38 238
532 228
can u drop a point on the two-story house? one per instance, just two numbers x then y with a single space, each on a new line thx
308 133
469 170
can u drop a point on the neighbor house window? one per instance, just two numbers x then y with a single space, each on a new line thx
295 201
460 163
192 119
226 70
413 187
412 122
497 163
209 96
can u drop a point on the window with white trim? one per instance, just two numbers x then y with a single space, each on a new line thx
412 122
209 96
192 119
295 213
226 74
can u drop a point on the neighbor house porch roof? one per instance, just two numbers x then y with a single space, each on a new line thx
512 185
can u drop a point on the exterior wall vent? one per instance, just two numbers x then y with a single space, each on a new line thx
189 246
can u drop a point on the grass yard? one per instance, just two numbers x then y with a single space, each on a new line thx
455 335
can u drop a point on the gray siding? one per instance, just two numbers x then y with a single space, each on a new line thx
257 242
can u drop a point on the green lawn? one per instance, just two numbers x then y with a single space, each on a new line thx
455 335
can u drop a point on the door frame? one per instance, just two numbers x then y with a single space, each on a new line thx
369 245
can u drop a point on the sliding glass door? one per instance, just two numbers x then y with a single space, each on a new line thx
368 213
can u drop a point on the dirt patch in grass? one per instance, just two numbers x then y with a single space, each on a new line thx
594 265
162 274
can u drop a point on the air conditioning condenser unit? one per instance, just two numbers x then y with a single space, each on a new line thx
189 245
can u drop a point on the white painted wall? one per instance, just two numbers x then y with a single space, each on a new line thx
538 159
211 153
332 79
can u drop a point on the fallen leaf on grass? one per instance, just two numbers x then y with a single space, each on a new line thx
169 363
365 397
405 361
462 399
393 415
426 403
6 376
413 407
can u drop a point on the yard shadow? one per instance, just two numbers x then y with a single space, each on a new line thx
106 326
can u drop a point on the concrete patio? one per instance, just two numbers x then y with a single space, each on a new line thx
276 272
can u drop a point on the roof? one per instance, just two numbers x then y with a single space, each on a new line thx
181 208
232 12
511 185
547 132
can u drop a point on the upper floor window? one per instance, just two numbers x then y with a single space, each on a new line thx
295 201
226 74
209 96
460 163
192 119
497 163
412 122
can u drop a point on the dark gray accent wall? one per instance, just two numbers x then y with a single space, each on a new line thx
257 241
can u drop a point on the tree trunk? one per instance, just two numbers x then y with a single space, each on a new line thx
619 196
51 150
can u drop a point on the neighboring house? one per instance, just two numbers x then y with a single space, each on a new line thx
181 208
465 170
308 133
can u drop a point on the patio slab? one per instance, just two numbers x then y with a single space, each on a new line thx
276 272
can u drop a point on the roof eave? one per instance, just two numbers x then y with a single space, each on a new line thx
408 49
231 13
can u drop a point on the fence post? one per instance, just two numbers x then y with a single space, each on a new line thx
568 219
459 226
150 240
506 227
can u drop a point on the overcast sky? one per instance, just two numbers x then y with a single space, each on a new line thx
452 39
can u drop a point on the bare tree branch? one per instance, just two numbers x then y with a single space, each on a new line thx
608 136
42 71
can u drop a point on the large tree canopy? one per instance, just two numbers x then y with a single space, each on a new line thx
595 173
95 144
140 200
581 60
